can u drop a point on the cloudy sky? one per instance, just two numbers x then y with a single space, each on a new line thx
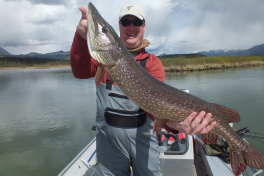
173 26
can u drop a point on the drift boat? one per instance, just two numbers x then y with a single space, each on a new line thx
180 155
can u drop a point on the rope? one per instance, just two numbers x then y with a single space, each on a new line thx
255 138
256 133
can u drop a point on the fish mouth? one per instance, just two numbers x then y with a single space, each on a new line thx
92 17
93 33
97 28
104 44
102 39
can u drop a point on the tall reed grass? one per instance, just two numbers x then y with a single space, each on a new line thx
13 62
209 63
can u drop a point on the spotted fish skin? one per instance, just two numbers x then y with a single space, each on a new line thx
163 101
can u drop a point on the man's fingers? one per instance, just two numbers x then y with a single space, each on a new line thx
83 10
198 119
209 127
82 27
190 118
194 124
206 118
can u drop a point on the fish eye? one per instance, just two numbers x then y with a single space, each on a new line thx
104 30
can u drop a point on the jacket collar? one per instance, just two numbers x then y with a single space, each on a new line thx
142 55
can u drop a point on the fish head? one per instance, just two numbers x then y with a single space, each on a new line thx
104 44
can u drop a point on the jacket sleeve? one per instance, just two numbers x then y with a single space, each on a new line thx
83 65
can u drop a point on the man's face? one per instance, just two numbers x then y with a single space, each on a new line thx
131 35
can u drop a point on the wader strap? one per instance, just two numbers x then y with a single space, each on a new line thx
143 62
109 82
125 119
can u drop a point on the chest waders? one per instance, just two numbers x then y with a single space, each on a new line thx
122 112
124 134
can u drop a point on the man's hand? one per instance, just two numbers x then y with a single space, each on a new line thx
194 124
82 27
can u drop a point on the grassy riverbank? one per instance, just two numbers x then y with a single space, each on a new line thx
176 64
36 67
210 63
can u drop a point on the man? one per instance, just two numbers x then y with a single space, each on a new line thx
124 131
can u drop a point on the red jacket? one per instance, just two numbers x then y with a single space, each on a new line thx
84 66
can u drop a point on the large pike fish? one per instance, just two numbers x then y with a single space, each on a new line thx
161 100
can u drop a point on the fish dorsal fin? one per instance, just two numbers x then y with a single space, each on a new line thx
231 115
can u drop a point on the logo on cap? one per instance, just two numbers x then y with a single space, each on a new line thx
128 7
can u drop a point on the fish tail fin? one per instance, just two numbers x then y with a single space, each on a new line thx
237 162
240 159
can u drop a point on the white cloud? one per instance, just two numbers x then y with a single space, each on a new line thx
173 26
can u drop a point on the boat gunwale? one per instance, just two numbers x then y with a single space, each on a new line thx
76 158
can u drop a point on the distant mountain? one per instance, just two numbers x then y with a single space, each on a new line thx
3 52
54 55
255 50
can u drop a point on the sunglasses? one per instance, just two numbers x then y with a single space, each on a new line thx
135 22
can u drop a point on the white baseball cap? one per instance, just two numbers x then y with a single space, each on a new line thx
131 9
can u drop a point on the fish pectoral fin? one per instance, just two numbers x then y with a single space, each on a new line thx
232 115
209 138
158 124
99 74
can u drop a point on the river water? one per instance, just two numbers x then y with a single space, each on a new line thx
46 115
